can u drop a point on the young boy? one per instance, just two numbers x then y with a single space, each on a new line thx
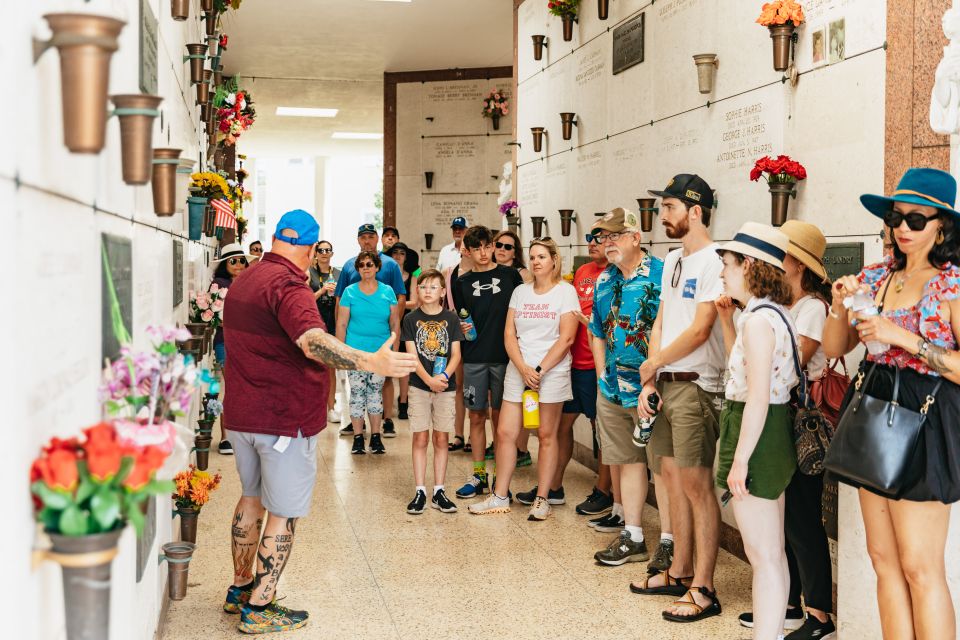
434 334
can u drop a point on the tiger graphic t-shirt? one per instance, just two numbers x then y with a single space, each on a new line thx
433 337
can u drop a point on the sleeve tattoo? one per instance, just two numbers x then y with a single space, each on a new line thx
323 347
936 358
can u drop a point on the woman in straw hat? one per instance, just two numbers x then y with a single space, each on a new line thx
756 453
917 292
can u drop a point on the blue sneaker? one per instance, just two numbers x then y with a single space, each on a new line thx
271 620
237 597
476 485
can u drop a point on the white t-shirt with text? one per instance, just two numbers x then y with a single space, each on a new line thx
537 320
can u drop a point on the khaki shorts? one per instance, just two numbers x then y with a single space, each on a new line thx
615 432
428 410
687 426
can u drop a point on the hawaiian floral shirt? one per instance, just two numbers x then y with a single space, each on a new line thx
923 318
624 310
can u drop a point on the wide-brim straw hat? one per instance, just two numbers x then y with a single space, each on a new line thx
232 250
807 244
760 241
923 186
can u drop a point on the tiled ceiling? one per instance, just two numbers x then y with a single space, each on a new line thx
333 53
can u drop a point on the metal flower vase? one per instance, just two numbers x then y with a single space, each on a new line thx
164 180
179 10
782 36
195 210
647 211
566 221
196 54
568 20
188 523
539 44
568 121
538 223
178 556
780 194
538 133
136 113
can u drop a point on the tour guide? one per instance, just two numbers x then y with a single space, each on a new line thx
278 348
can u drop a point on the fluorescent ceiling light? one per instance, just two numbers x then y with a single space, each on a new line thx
351 135
306 112
393 0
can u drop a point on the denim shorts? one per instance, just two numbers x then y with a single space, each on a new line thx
583 383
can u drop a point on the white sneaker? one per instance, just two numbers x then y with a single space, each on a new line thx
333 416
492 504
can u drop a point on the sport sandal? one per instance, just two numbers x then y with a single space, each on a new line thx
699 613
456 445
673 586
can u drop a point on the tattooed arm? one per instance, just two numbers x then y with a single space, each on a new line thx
319 345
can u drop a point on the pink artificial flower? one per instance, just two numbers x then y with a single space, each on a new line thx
223 293
217 306
203 302
136 434
207 315
214 287
505 111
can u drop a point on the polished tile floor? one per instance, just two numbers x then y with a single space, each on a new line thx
364 568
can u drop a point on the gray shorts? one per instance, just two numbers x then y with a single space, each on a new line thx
479 379
283 481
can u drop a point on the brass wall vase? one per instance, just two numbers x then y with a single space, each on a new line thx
428 176
538 133
568 120
539 44
217 78
538 223
428 240
780 194
136 113
648 209
179 10
603 9
205 112
707 65
568 20
85 43
196 54
164 181
206 5
210 22
203 87
566 220
782 37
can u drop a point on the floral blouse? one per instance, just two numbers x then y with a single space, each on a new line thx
923 318
784 375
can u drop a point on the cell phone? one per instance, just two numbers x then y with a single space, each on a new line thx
727 495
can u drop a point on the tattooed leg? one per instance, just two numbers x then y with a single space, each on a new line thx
245 533
272 556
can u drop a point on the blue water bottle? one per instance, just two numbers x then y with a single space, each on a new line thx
465 317
440 364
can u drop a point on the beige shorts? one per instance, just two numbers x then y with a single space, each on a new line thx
615 433
428 410
688 426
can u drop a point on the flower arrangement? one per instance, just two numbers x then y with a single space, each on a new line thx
235 112
223 42
221 6
509 208
781 170
781 12
192 488
563 7
207 306
495 104
94 486
212 409
208 184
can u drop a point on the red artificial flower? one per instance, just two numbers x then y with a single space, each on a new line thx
103 454
223 41
100 434
57 470
56 444
146 463
755 173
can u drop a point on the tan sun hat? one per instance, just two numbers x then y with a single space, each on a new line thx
807 245
760 241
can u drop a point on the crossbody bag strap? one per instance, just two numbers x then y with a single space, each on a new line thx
804 396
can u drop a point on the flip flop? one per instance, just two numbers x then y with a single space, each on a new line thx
673 587
455 446
699 613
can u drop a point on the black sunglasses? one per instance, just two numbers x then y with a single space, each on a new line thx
915 221
234 261
503 245
367 265
324 250
677 271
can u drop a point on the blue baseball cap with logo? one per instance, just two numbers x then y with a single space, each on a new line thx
459 223
301 222
366 228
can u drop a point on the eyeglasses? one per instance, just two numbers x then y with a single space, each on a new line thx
325 250
235 261
367 265
600 238
503 245
677 271
915 221
429 287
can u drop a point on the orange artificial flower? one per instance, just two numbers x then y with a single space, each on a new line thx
58 470
103 454
146 462
781 12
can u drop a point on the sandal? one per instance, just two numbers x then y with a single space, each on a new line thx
673 587
467 448
455 446
699 613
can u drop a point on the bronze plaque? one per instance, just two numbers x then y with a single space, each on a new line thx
628 44
148 49
843 259
118 259
177 272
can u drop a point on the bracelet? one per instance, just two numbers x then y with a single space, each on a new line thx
924 345
833 314
444 374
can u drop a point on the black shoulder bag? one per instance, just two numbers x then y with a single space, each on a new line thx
812 431
876 439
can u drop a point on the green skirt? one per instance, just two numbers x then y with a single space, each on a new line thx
774 459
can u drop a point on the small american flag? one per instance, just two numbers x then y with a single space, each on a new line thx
225 217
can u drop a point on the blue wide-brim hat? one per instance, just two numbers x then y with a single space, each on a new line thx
927 187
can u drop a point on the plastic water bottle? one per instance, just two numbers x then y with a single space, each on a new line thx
644 427
466 318
862 302
440 364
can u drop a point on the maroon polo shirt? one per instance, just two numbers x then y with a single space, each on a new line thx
271 387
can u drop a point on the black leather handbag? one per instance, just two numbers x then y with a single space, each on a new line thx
876 439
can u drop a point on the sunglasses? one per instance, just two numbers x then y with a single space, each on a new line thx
600 238
256 249
677 271
235 261
543 239
915 221
324 250
503 245
367 265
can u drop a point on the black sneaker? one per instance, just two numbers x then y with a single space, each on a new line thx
813 629
418 503
402 411
523 459
792 620
555 496
388 429
376 445
613 524
527 497
593 522
442 502
596 503
358 448
347 430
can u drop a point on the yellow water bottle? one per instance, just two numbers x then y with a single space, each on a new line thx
530 402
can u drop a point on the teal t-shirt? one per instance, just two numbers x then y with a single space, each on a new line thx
369 324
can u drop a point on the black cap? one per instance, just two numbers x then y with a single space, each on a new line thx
366 228
399 246
688 187
394 229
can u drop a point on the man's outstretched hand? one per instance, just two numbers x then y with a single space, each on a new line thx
392 364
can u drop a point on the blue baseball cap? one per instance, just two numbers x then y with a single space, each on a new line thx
459 221
298 220
366 228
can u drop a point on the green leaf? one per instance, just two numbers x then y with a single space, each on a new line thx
105 506
86 489
53 499
83 469
158 487
74 521
50 518
135 516
126 465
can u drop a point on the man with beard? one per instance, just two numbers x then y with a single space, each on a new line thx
625 301
685 368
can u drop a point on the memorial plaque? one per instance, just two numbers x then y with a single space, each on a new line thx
148 49
118 253
628 44
843 259
177 272
145 541
830 506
